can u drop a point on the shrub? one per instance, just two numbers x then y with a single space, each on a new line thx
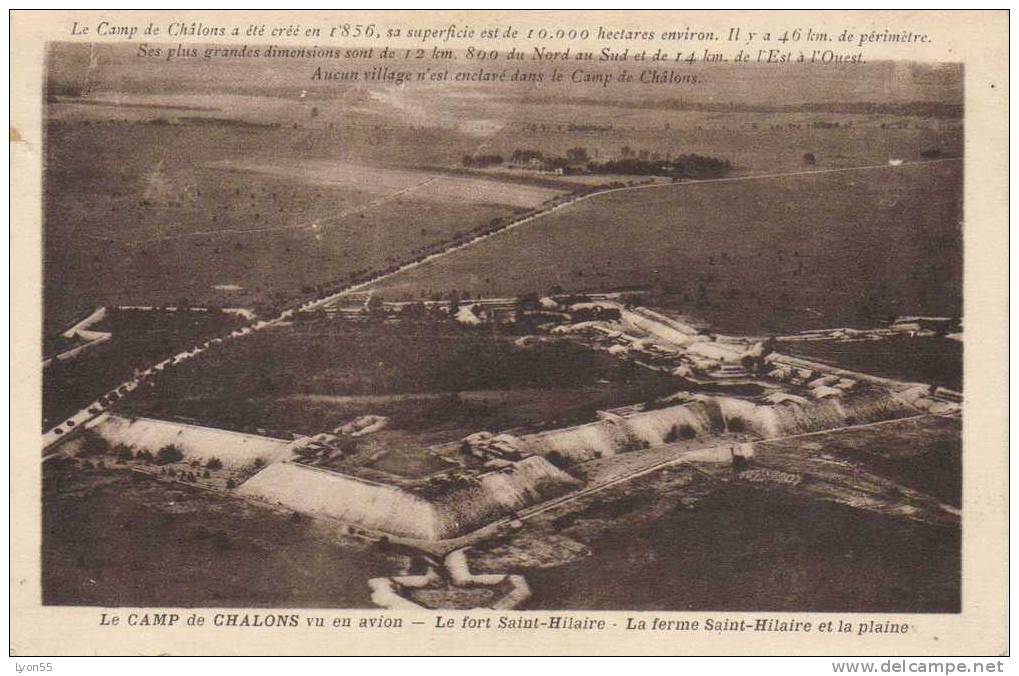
230 483
214 463
92 444
557 459
738 425
168 454
123 453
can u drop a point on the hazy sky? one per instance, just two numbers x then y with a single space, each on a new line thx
117 68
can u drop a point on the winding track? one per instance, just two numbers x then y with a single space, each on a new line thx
51 437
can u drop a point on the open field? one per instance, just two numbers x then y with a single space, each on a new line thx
757 256
140 179
924 454
140 338
151 213
378 181
436 377
114 538
921 359
674 540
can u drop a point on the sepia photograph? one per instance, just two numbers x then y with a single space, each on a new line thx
320 334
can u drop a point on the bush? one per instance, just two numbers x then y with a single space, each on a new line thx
230 483
123 453
214 463
92 444
347 445
738 425
557 459
168 454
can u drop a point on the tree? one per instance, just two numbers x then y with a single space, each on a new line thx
415 310
528 301
454 302
631 300
808 158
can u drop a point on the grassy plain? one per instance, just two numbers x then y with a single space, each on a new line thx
769 255
142 213
140 339
925 359
142 206
113 538
922 454
669 541
435 379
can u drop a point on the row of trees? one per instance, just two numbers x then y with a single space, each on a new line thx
683 166
630 163
92 445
